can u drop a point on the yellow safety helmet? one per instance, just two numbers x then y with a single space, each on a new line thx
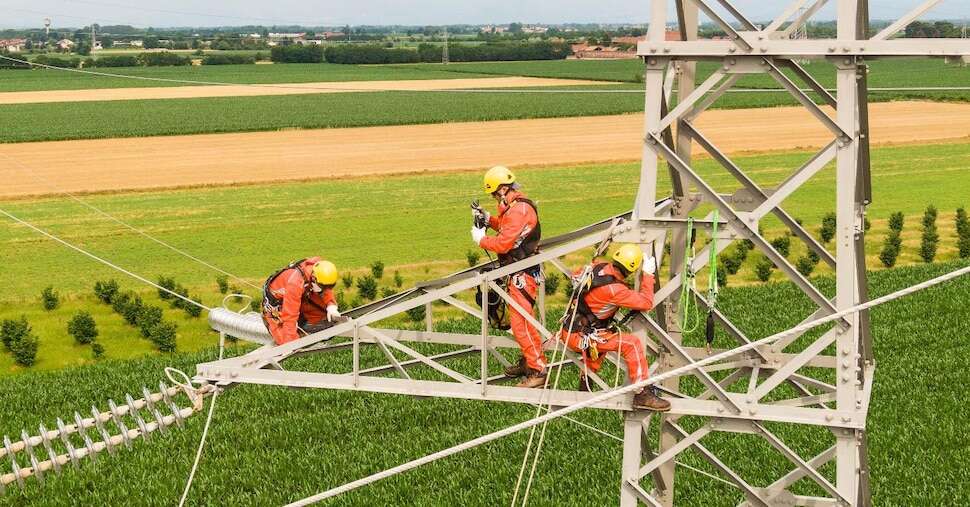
496 176
325 273
629 256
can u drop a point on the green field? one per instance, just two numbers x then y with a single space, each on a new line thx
269 446
50 79
903 72
93 120
252 230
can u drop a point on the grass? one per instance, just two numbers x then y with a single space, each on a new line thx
252 230
270 445
45 79
903 72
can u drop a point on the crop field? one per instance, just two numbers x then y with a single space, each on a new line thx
41 122
252 230
271 445
51 79
903 72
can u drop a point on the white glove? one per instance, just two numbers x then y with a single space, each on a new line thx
477 235
332 313
649 265
481 213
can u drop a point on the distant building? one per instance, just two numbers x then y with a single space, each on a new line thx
65 44
493 29
13 45
138 43
333 35
285 39
534 29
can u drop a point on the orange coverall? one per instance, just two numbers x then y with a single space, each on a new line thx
604 301
514 222
301 303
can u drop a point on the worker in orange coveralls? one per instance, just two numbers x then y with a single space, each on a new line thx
590 319
299 298
518 237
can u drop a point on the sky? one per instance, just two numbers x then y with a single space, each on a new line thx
168 13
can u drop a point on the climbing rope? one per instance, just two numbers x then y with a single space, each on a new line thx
205 430
583 280
605 396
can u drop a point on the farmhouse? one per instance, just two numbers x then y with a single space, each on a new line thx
65 44
13 45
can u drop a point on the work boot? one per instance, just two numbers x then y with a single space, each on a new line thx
584 384
517 370
533 379
646 400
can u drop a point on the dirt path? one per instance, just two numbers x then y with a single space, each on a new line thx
220 159
191 92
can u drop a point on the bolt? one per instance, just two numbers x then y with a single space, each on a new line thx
845 379
831 50
653 50
732 50
653 61
828 417
846 419
752 411
666 50
764 50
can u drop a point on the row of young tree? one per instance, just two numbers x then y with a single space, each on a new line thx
929 237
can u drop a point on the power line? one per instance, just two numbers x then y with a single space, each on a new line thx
133 228
100 259
187 13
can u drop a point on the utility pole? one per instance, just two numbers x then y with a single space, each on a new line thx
444 51
93 40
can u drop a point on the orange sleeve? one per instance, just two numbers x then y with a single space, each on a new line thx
511 228
328 298
493 222
292 301
629 298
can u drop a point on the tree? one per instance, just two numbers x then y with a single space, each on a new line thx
150 42
163 336
106 291
222 281
377 269
963 233
11 331
763 268
930 238
472 256
515 28
896 221
890 249
827 231
50 298
552 283
804 265
83 328
25 350
367 287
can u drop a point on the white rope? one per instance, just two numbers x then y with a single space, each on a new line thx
129 226
101 260
525 459
606 396
205 430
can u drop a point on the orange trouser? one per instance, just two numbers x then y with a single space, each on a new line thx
628 346
528 338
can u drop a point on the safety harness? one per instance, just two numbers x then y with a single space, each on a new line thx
586 319
529 245
498 312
